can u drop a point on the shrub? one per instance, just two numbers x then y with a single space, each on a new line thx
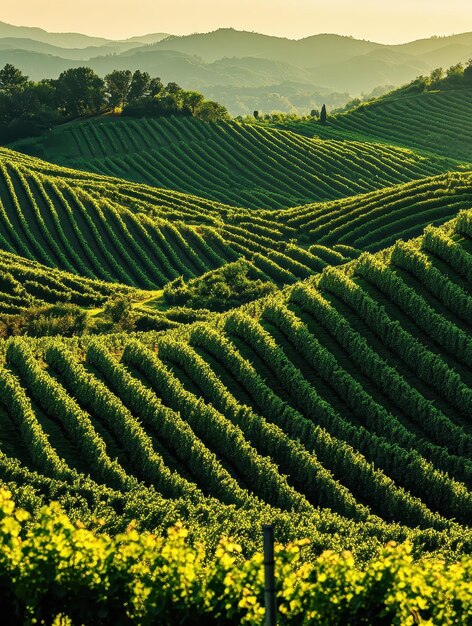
219 290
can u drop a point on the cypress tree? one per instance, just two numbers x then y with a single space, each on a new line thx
323 114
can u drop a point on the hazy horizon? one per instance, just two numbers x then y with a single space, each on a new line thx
407 20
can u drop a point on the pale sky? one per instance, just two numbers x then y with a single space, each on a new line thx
388 21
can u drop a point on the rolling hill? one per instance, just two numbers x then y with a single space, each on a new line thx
71 40
439 121
79 54
109 229
251 165
66 40
341 63
338 409
378 219
74 222
26 284
320 379
323 347
376 349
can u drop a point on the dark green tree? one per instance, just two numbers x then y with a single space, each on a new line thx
436 75
192 100
80 92
139 88
118 84
35 100
455 75
12 79
166 104
468 73
28 109
156 86
323 114
210 111
173 88
174 91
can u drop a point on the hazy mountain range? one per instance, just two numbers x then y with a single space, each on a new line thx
244 70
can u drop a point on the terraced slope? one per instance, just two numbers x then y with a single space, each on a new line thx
73 223
239 164
25 284
109 229
378 219
352 392
438 121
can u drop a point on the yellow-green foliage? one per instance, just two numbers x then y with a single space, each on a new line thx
50 566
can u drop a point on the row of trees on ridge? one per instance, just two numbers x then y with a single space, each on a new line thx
27 107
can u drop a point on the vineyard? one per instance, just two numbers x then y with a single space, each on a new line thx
437 121
113 231
298 352
239 164
217 416
376 220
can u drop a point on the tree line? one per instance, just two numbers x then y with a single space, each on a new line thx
28 108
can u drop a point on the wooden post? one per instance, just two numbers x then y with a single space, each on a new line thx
269 576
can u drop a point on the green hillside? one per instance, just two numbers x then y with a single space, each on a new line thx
436 121
75 222
440 121
215 424
375 220
112 230
25 284
378 350
274 326
251 166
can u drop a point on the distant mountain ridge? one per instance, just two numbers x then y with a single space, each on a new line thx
70 40
65 40
79 54
230 42
224 60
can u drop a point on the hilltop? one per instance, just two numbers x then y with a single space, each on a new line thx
71 40
426 115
